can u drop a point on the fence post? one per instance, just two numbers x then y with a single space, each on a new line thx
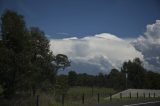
62 99
98 98
121 95
154 95
83 98
92 90
149 95
137 95
110 97
130 95
144 95
37 100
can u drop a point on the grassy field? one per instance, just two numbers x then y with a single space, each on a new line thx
72 98
90 94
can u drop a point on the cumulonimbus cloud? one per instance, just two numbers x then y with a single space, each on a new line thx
101 52
94 54
149 45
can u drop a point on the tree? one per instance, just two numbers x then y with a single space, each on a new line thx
44 62
136 73
61 61
13 32
152 80
42 71
26 61
116 79
101 80
72 78
61 84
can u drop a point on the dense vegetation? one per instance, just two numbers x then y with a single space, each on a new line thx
137 77
26 62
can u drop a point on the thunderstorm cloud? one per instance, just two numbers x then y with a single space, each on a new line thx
102 52
94 54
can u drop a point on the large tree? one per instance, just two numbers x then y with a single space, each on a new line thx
26 61
136 73
13 32
41 70
116 79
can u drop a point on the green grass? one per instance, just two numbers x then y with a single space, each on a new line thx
74 95
72 98
89 93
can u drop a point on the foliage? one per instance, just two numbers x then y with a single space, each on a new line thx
13 32
116 79
152 80
72 78
136 73
26 62
137 77
61 85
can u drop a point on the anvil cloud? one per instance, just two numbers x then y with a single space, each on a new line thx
94 54
102 52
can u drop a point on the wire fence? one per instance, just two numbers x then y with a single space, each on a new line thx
78 100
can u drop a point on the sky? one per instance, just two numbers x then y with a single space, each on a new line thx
96 35
67 18
105 51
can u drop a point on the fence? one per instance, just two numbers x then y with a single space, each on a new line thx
138 93
99 98
77 100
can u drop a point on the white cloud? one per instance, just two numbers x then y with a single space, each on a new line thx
102 52
95 53
72 38
149 45
152 34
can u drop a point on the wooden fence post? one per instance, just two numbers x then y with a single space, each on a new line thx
130 95
62 99
137 95
121 95
144 95
83 98
37 100
92 90
154 95
149 95
98 98
110 97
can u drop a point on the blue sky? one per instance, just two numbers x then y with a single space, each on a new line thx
97 35
67 18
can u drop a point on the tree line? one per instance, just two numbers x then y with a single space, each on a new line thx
137 77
